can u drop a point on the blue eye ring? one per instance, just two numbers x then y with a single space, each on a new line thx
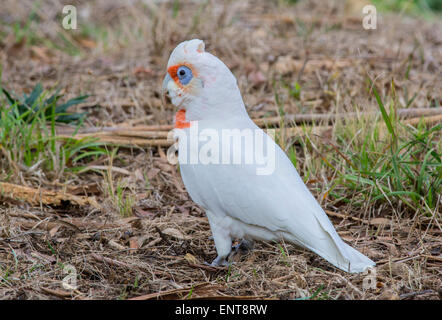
184 75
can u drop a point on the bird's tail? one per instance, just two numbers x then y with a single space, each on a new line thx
347 258
340 254
332 248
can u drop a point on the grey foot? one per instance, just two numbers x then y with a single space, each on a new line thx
219 262
244 246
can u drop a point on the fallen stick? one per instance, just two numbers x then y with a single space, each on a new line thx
57 292
121 134
127 132
172 292
427 120
296 118
74 224
109 261
135 137
316 118
124 141
48 197
434 258
106 168
413 294
69 130
207 267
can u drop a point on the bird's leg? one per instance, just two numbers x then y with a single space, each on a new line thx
223 242
244 246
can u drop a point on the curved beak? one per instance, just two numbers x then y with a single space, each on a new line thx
166 80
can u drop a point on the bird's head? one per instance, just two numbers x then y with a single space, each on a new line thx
201 84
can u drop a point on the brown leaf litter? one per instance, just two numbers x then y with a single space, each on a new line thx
160 250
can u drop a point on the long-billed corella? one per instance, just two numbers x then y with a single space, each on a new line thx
247 185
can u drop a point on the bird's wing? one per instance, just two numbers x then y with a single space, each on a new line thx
279 202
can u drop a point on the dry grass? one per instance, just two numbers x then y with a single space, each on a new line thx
148 237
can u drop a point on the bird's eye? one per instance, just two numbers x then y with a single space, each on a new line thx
184 74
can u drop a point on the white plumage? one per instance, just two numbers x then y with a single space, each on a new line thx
240 203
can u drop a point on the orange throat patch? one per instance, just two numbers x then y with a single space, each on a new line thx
180 120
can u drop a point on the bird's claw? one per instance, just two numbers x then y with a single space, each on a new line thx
219 262
243 246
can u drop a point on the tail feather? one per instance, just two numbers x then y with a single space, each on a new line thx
327 243
340 254
349 259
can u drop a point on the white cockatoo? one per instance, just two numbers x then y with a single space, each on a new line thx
243 199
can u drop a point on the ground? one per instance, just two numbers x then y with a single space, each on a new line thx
140 235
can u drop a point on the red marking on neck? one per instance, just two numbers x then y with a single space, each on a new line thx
180 120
